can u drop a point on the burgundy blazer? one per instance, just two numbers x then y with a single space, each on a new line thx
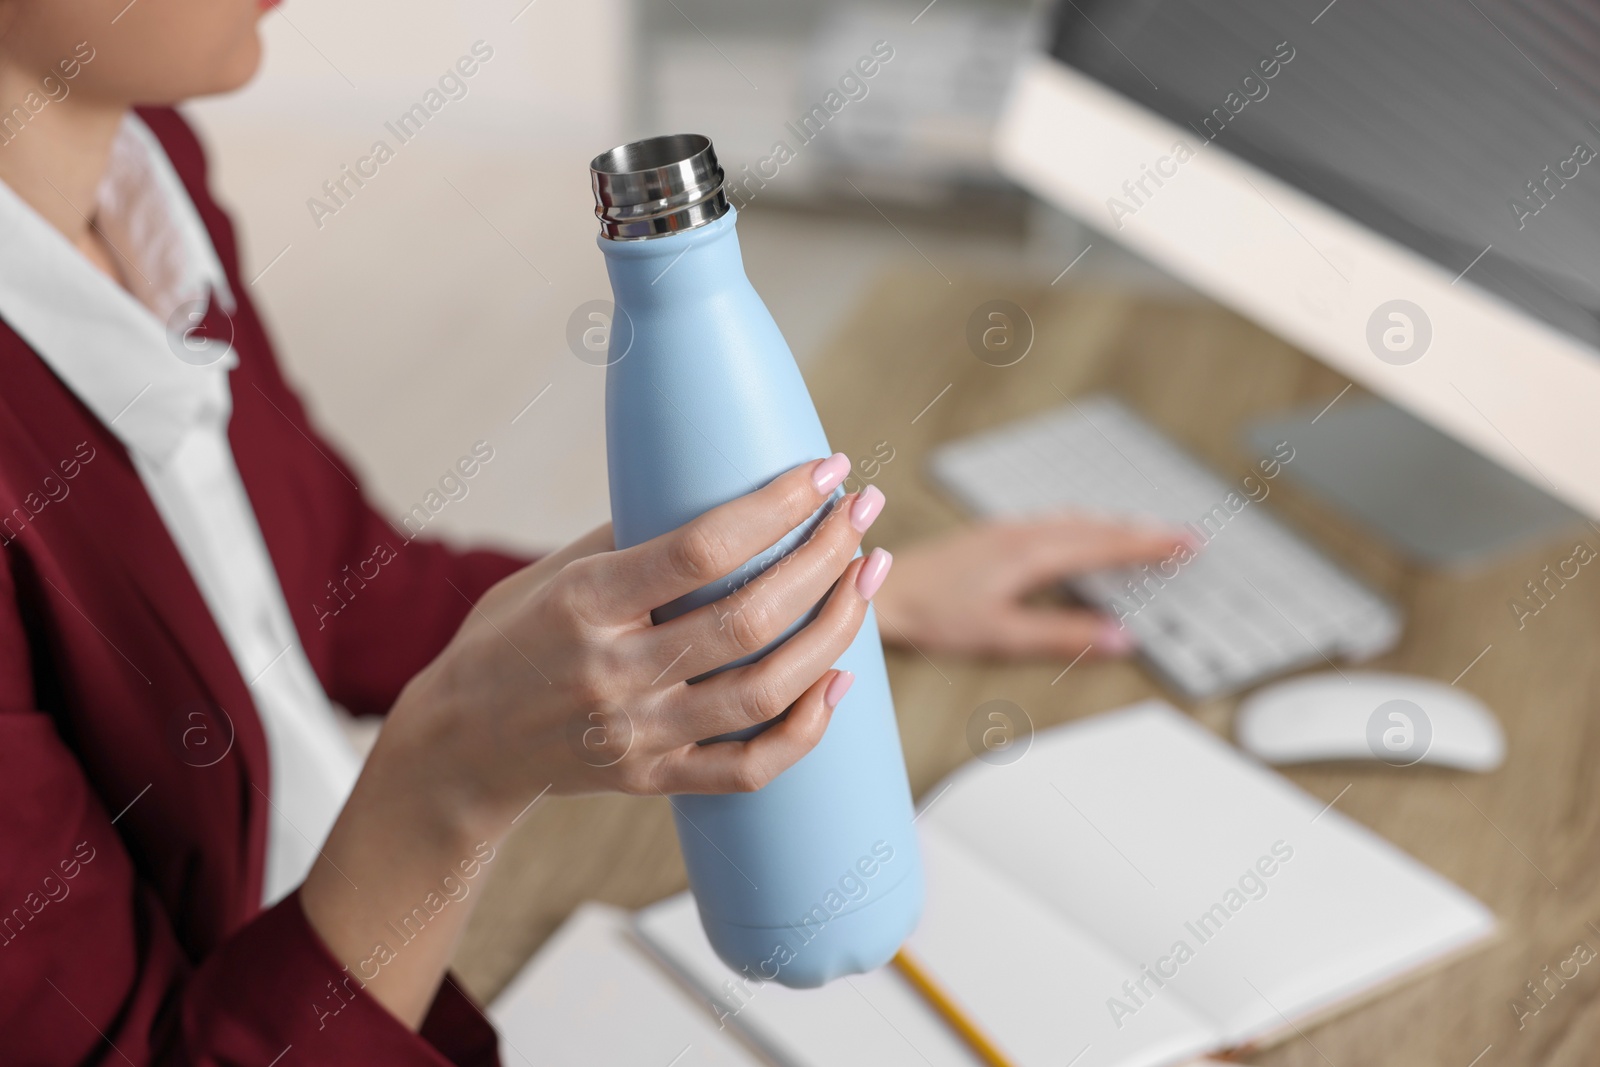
133 767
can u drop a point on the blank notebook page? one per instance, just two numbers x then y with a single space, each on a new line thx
1146 830
593 997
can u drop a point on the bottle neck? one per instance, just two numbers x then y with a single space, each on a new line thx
689 265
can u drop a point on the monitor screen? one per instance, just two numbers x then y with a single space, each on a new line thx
1467 131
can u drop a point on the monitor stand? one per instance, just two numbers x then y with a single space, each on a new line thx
1432 498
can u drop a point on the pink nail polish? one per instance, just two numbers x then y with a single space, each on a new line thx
1115 639
838 688
873 572
830 472
866 508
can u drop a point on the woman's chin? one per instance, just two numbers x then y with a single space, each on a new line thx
246 64
237 72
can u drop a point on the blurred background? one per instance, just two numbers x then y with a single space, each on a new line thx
427 309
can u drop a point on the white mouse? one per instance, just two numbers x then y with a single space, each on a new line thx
1369 715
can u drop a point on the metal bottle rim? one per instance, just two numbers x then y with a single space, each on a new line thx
657 186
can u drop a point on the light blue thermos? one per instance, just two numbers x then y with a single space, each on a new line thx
818 874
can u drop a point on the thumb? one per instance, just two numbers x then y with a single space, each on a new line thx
1065 547
1050 633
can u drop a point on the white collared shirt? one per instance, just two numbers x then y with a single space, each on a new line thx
165 395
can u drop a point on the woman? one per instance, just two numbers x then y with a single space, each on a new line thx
196 869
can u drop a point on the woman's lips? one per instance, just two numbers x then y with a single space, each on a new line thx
268 5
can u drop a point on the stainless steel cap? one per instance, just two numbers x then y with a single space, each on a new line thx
657 186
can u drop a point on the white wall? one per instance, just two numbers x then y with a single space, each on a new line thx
432 306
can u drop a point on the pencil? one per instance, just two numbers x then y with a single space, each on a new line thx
947 1010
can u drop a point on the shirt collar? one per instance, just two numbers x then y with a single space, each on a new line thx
126 353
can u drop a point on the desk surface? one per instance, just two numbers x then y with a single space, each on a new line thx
1524 839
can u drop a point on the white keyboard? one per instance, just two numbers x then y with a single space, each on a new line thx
1256 601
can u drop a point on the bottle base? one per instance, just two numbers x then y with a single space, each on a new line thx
808 954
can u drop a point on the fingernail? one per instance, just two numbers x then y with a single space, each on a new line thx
1114 639
866 508
873 572
830 472
838 688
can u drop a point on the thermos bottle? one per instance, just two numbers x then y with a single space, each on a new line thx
818 874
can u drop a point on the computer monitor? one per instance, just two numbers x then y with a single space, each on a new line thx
1408 191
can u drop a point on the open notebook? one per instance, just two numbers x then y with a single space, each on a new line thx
1132 892
592 998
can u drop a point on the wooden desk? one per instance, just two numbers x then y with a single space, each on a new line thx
1524 839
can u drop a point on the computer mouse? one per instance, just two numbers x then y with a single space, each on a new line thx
1398 719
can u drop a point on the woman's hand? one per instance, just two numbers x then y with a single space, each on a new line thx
559 681
966 592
